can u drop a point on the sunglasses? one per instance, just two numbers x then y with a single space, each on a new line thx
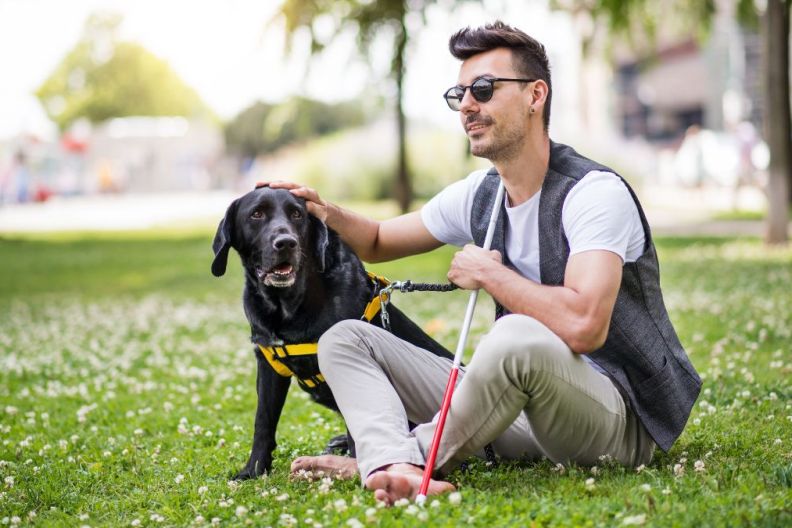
481 89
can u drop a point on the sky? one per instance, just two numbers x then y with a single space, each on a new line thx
227 51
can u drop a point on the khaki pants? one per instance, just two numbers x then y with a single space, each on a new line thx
524 391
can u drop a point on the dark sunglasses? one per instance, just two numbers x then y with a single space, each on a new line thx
481 89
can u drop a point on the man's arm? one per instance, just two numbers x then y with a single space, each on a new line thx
371 240
579 312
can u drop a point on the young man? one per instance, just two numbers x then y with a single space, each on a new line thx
582 361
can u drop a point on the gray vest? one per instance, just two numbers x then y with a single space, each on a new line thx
642 354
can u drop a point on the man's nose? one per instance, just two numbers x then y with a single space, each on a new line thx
468 104
282 242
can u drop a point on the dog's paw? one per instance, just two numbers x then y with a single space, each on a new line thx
252 471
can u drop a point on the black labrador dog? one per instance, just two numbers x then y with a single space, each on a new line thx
300 279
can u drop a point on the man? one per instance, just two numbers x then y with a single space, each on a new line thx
582 361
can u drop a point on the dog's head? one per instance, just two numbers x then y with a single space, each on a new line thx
274 235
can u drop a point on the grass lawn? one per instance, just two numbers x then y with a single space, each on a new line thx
127 398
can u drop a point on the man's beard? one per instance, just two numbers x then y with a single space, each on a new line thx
503 145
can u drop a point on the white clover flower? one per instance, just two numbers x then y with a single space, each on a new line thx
634 520
354 523
179 478
282 497
233 485
288 519
401 503
83 517
434 504
666 491
412 509
679 470
156 517
455 498
9 482
241 511
696 421
423 516
698 466
646 488
138 432
590 484
560 468
135 522
215 521
594 470
371 514
777 441
199 519
640 468
202 490
340 505
11 410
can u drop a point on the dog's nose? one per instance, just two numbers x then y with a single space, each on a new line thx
282 242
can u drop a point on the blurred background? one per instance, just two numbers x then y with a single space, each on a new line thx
118 115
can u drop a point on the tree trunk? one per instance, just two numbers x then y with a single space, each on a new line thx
777 119
403 186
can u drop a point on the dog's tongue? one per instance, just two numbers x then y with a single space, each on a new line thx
283 269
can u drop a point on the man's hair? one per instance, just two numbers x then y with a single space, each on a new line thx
528 54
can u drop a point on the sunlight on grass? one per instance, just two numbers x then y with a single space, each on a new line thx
127 398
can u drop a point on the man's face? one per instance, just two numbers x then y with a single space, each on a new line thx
497 127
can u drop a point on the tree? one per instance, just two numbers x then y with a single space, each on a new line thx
640 17
263 128
370 18
102 77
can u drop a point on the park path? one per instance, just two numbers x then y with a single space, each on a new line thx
669 212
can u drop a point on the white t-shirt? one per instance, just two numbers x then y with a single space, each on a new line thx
598 213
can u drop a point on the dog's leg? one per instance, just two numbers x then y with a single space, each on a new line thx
272 389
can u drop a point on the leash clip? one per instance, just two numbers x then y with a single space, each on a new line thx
384 296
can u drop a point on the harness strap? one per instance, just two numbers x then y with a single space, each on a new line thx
375 304
275 353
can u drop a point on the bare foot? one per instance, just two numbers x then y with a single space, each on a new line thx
402 481
330 465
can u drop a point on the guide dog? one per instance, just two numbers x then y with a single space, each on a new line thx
300 279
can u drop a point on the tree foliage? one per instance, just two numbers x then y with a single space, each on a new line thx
262 128
102 77
370 19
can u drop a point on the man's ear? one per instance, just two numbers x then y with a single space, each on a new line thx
321 241
223 239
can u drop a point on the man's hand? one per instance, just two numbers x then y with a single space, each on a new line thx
471 265
316 206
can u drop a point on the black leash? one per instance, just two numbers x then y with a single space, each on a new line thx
407 287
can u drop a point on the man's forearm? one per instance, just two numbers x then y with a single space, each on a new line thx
559 308
359 232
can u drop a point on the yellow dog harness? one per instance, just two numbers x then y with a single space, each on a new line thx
299 360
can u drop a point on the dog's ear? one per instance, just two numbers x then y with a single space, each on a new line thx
321 241
222 240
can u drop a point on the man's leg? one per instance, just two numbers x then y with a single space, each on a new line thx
575 414
380 382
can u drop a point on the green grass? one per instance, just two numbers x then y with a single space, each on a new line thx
127 393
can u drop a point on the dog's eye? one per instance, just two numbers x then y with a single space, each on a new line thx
296 214
257 214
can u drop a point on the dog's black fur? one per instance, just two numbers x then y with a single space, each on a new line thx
319 281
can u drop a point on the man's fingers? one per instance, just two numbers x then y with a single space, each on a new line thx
278 184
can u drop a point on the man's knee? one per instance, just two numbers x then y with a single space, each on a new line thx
341 339
521 342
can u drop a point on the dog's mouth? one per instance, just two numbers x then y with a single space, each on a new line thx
280 276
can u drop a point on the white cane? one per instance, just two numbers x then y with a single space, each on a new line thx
471 307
